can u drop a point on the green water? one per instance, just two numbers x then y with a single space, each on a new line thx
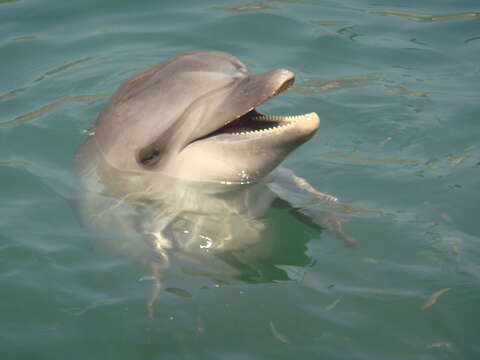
396 84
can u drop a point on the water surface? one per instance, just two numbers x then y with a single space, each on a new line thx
396 85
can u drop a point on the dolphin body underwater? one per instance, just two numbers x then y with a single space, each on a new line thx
180 163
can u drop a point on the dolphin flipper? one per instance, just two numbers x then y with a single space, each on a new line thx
295 192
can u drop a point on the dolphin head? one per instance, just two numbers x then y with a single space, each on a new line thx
193 117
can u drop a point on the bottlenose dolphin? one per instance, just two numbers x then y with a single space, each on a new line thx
193 117
181 161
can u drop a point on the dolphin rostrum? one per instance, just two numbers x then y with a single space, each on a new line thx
181 161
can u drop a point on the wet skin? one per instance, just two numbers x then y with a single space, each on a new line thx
180 163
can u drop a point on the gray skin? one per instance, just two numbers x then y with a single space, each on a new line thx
168 109
172 166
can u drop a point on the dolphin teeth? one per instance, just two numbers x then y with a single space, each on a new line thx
280 123
287 119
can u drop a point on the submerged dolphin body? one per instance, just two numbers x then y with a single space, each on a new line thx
180 162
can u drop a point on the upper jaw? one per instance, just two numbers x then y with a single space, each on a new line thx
251 123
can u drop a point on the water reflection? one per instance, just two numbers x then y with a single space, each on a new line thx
244 8
8 1
256 6
26 37
11 93
46 109
215 231
311 86
64 67
427 17
186 231
353 158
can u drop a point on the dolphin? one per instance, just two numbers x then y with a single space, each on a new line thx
193 117
181 161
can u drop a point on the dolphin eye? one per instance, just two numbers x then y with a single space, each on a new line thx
148 157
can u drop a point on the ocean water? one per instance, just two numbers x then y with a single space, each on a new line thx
396 84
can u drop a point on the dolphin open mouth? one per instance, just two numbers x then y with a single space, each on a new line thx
239 121
254 123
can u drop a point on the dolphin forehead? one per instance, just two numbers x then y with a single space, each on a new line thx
204 65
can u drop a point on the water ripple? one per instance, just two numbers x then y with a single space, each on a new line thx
311 86
64 67
427 17
11 93
43 110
